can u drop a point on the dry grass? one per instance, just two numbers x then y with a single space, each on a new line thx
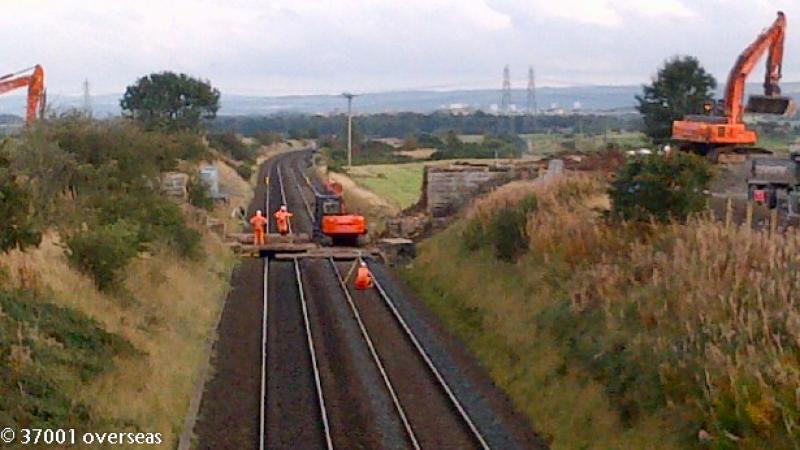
170 320
621 336
419 153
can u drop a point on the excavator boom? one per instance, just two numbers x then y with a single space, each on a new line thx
728 132
36 91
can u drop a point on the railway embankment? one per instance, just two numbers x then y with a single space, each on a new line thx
614 335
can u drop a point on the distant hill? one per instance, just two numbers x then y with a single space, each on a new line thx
586 98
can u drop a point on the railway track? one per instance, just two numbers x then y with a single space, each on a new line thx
430 413
324 435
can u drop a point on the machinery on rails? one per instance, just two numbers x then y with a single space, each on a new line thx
34 81
721 133
332 223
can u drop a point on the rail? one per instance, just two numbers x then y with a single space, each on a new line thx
312 353
365 334
421 350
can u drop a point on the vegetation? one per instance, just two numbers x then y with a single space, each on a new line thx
198 194
681 87
104 252
660 187
399 184
676 333
505 230
45 348
170 101
502 146
231 145
403 125
17 229
116 286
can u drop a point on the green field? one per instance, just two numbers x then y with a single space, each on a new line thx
399 184
547 143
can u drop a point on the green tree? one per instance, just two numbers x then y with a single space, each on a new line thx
170 101
681 87
663 187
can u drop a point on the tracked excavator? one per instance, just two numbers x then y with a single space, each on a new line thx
721 133
34 80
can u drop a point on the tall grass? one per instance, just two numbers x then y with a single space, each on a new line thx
689 331
166 314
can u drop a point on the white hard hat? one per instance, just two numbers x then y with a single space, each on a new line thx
363 264
283 207
258 212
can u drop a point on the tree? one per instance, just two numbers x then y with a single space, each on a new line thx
663 187
170 101
681 87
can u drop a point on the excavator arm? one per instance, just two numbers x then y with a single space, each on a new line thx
771 102
36 90
726 134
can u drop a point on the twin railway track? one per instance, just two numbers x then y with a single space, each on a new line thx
342 368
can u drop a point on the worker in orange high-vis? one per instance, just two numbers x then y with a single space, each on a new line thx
259 224
282 217
364 277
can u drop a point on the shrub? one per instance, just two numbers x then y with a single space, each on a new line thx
104 251
17 229
662 187
156 218
231 145
198 195
244 170
505 230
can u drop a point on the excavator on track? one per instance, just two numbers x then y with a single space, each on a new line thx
721 134
37 96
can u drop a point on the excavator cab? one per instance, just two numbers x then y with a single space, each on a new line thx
332 222
771 104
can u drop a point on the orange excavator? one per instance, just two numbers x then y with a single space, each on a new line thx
721 134
36 92
333 222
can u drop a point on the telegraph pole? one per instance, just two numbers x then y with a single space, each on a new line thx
87 98
349 98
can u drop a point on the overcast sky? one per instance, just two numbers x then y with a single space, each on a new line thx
313 46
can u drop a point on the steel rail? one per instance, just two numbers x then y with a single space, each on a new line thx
365 334
283 194
453 399
312 352
263 411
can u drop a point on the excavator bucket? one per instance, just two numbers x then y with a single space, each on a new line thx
762 104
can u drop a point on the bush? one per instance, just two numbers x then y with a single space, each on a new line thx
156 218
231 145
198 195
17 229
504 231
244 170
662 187
103 252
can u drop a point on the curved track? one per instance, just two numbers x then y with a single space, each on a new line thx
305 361
430 414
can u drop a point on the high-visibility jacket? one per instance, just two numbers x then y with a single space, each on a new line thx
259 227
258 222
364 278
282 218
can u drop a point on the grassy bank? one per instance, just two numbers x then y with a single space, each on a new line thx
617 336
109 288
143 348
